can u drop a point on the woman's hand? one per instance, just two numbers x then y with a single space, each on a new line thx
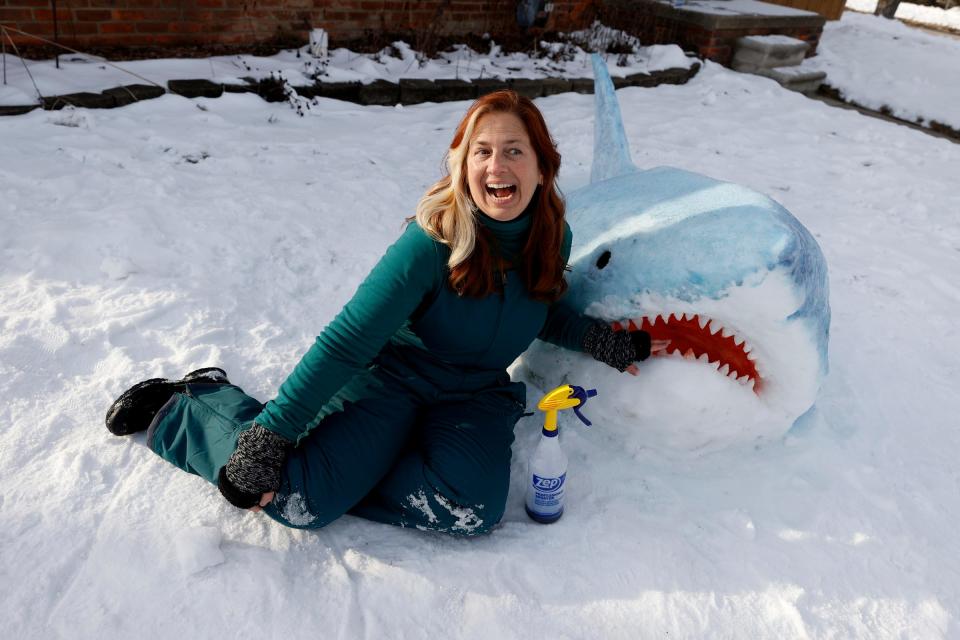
656 347
620 349
265 499
252 474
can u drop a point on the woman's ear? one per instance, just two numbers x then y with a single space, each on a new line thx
540 181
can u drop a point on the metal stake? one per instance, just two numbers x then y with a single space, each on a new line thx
56 30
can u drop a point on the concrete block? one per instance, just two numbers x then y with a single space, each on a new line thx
247 87
271 89
553 86
17 110
642 80
130 93
676 75
766 52
457 90
489 85
380 92
308 91
417 90
195 88
526 87
582 85
347 91
83 99
795 79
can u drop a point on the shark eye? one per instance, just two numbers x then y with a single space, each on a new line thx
603 260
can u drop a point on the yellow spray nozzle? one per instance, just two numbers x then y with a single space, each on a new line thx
559 398
563 397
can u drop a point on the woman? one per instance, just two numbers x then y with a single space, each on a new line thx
402 411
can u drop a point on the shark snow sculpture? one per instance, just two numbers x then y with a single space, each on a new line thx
730 277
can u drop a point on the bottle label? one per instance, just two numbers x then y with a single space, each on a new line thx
548 494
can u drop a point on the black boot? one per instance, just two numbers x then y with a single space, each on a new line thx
134 410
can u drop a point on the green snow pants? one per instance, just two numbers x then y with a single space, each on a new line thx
391 446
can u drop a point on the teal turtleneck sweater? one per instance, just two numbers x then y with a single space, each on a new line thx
406 306
512 235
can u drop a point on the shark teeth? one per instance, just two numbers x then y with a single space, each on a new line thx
693 336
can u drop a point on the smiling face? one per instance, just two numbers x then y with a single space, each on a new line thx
502 169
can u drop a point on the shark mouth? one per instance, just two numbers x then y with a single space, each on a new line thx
697 337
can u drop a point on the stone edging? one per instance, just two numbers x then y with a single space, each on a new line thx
885 113
379 92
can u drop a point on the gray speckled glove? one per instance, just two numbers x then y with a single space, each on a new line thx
619 349
254 468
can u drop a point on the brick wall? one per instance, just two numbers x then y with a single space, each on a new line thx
719 45
710 36
829 9
169 23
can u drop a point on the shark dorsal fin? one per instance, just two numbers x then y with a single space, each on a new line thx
611 154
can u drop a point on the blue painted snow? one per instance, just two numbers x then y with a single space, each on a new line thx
684 235
611 153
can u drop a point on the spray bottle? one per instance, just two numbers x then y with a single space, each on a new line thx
547 471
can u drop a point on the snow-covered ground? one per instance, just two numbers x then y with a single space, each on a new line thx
565 59
879 63
173 234
921 14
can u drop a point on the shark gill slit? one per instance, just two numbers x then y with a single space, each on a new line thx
727 354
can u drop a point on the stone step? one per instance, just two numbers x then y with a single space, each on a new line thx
766 52
795 78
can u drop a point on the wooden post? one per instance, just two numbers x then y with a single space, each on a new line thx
886 8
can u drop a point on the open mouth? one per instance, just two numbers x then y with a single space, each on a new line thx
700 338
501 192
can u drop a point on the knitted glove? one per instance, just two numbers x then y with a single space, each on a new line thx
619 349
254 468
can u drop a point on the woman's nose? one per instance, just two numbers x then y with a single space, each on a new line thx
496 163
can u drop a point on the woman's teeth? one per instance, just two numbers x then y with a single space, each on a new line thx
501 191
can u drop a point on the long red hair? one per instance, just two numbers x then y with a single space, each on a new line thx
541 264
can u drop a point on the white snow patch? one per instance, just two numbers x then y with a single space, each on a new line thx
117 267
564 59
421 503
467 519
296 511
882 63
243 257
198 548
738 8
919 13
